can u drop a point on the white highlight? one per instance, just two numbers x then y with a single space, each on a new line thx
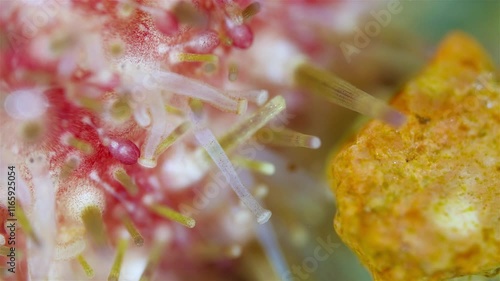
457 216
81 197
314 143
69 251
268 169
271 47
182 85
347 15
43 218
163 234
133 265
182 168
26 104
261 190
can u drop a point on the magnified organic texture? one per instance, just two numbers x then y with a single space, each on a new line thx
138 138
422 202
126 130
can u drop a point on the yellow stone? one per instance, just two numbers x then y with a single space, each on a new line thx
423 202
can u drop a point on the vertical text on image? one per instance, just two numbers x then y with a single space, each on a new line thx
11 219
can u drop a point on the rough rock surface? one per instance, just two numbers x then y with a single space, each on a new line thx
422 202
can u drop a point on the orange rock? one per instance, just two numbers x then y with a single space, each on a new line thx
423 202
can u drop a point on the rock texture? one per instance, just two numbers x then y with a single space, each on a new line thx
422 202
